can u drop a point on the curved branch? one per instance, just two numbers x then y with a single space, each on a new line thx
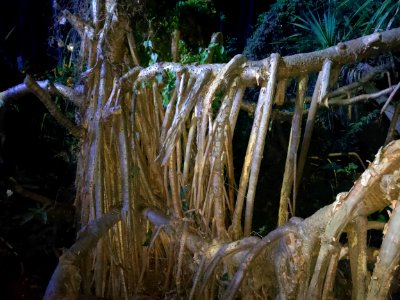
362 97
79 25
65 281
389 257
45 98
75 95
253 253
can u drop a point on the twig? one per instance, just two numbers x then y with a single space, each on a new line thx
393 124
392 95
31 195
308 132
348 88
133 48
362 97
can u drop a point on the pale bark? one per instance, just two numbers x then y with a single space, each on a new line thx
178 163
289 177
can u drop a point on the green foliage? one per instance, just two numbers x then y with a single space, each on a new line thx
272 33
153 56
342 174
202 7
356 128
188 57
168 78
348 170
288 9
357 18
320 24
262 231
370 15
325 30
217 101
51 133
169 87
184 191
380 216
219 53
188 17
66 71
185 206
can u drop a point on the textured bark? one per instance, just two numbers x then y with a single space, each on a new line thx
289 176
66 279
171 172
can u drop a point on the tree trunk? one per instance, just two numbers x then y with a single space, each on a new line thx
158 211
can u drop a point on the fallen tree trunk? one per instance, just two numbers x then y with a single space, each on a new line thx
292 261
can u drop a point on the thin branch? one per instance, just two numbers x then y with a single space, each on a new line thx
308 132
30 195
133 48
362 97
45 98
175 38
294 140
79 25
331 276
352 86
236 227
392 95
236 106
393 125
182 115
75 94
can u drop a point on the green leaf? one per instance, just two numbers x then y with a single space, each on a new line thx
159 78
352 166
381 218
148 44
154 57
